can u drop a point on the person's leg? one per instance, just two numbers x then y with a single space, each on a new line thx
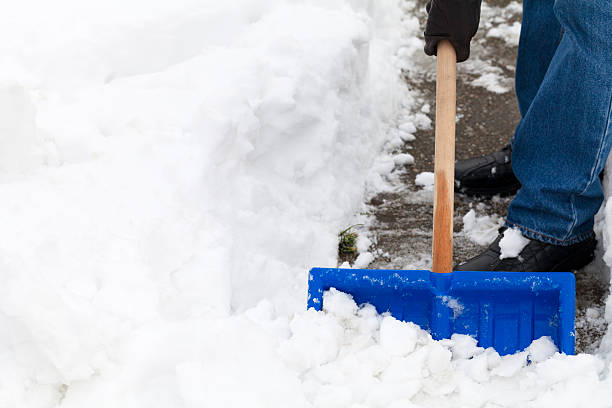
540 36
492 174
564 138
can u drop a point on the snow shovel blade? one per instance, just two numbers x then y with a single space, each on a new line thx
503 310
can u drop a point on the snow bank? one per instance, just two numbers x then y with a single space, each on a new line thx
166 166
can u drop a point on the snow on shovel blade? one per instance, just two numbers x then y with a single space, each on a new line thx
503 310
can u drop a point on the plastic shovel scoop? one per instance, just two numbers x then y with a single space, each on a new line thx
504 310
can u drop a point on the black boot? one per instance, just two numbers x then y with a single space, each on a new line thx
487 176
535 257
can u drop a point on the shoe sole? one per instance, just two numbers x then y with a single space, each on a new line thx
573 263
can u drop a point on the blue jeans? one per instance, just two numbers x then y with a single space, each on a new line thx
564 90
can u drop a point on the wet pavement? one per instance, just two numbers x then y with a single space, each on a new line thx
401 221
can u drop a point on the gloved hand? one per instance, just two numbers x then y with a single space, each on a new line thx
455 20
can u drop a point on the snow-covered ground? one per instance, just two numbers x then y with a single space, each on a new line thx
169 171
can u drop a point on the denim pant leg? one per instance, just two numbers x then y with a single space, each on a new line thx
540 36
564 138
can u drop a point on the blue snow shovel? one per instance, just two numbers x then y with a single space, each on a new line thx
503 310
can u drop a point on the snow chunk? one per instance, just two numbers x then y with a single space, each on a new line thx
439 359
422 121
339 304
363 243
407 127
425 180
316 339
406 131
481 230
363 260
407 137
464 347
395 143
492 82
541 349
512 243
398 338
511 364
476 368
403 159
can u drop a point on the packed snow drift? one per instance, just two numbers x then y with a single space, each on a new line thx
170 170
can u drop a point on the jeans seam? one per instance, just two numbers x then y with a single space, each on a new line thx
600 148
533 231
574 217
551 240
592 176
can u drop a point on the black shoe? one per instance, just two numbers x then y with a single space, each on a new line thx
487 176
535 257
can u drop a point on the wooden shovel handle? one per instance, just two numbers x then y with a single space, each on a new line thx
444 168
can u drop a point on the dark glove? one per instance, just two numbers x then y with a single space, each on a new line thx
455 20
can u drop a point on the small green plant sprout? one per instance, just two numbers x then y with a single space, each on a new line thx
347 245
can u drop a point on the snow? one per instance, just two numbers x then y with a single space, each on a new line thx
407 137
541 349
604 230
493 82
338 304
403 159
363 260
406 131
397 338
166 168
363 243
365 257
510 365
512 243
509 33
484 65
169 171
454 304
464 347
481 229
422 121
380 361
425 180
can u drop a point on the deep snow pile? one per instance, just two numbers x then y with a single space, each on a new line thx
164 164
168 173
354 357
